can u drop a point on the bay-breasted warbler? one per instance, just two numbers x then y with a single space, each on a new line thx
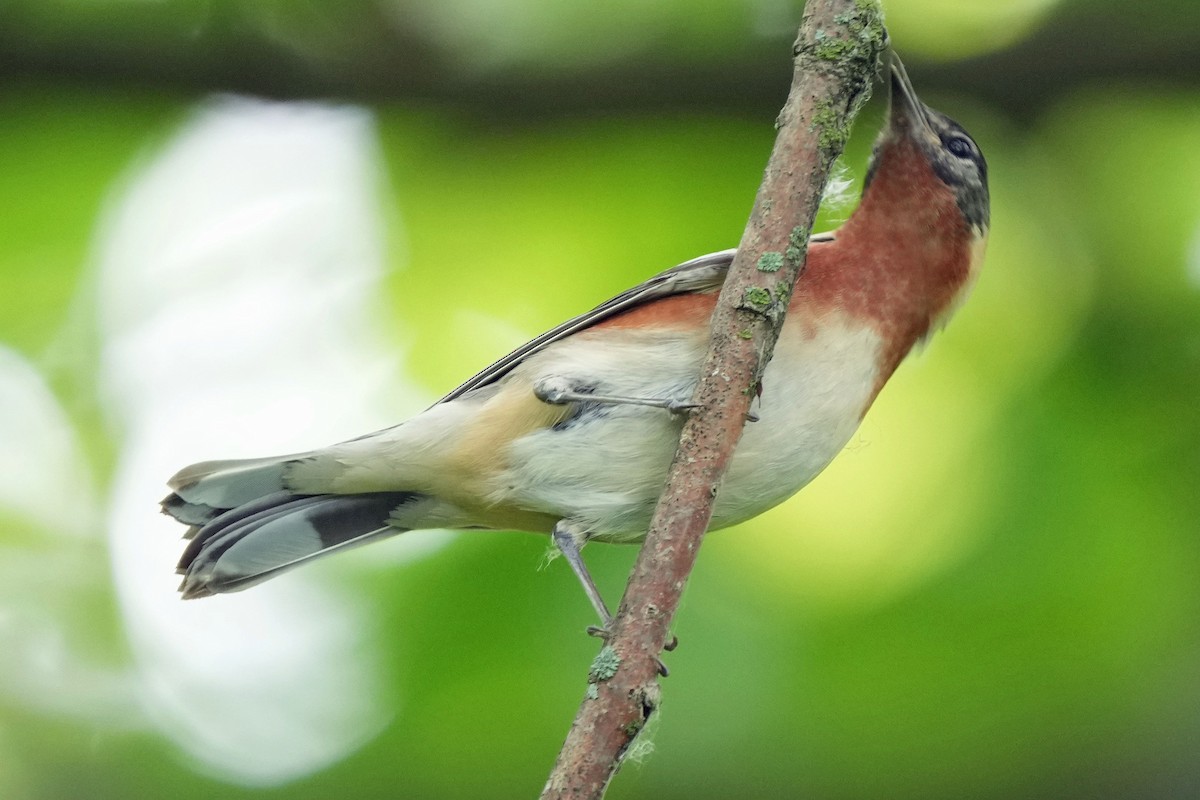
572 433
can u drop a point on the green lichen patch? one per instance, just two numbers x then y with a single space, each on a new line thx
852 50
832 126
605 665
757 297
783 291
830 48
745 333
770 261
797 242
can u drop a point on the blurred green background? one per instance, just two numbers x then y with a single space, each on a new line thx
993 593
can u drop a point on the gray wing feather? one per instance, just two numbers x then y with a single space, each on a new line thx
705 273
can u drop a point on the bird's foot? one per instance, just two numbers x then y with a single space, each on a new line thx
599 631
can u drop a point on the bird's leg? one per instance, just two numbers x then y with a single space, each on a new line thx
569 540
558 391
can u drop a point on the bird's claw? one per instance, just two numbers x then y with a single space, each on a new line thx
602 632
668 646
680 407
599 631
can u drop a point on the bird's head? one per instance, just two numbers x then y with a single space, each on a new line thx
924 215
922 155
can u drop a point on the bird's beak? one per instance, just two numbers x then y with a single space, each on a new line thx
906 114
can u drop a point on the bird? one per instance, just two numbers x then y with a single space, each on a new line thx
572 433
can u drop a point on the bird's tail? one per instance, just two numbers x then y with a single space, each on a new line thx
246 527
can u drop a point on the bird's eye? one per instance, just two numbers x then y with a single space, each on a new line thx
959 146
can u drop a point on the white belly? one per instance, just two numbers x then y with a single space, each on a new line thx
606 467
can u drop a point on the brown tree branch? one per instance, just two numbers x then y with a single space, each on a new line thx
836 54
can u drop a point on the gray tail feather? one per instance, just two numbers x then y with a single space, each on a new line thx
245 527
256 541
205 490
